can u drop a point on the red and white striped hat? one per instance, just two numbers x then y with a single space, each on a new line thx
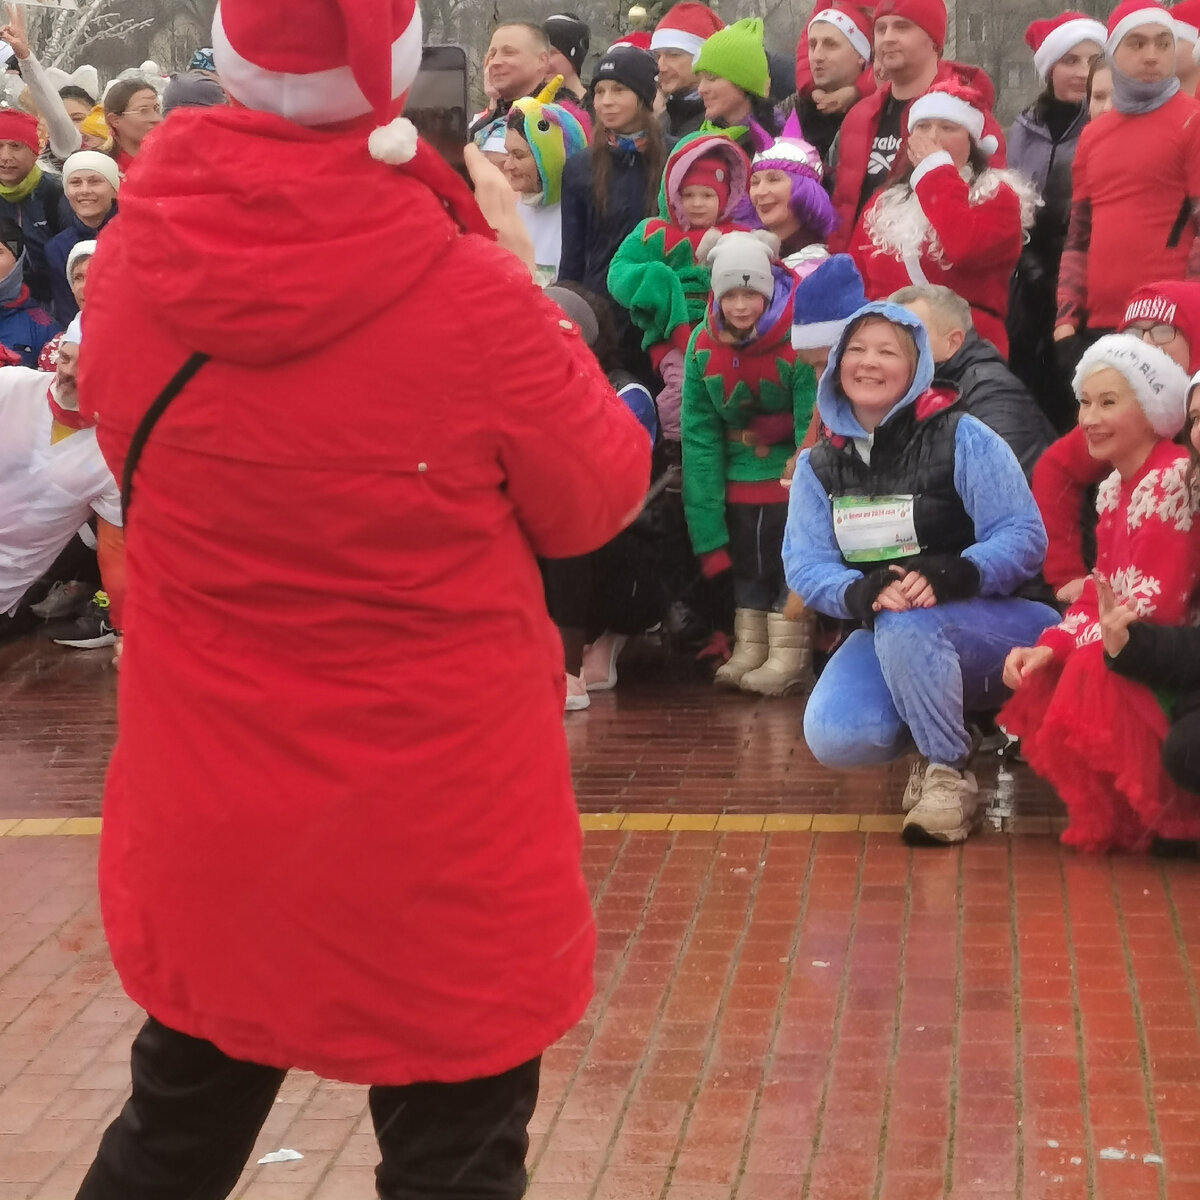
1129 14
1051 37
318 62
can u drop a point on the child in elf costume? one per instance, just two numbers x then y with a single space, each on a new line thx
657 275
747 404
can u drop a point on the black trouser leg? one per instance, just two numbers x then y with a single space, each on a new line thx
1181 752
189 1126
455 1141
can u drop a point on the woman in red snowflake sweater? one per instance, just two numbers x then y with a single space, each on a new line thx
949 218
1096 736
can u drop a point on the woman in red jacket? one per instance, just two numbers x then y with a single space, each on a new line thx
949 218
339 832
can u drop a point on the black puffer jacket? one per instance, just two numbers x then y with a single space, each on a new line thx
990 392
1164 656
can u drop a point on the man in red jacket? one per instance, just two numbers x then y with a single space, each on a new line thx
1135 183
339 832
909 35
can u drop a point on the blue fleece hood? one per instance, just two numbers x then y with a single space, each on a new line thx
836 413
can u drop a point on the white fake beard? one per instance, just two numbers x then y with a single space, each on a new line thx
68 401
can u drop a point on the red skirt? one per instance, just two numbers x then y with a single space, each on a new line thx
1097 738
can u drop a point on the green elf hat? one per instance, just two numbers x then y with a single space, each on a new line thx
553 134
737 53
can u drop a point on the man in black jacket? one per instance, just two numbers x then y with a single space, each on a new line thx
675 43
986 388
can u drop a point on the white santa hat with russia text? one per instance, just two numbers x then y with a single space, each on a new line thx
1158 381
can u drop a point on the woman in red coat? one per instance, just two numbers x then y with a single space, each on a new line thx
949 218
339 832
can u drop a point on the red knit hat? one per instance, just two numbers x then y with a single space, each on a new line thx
18 126
318 62
710 171
1129 14
1186 15
929 15
1172 302
687 27
850 21
1051 37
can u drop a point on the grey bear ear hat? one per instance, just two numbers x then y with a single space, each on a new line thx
740 260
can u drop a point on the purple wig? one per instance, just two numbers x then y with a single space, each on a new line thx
810 203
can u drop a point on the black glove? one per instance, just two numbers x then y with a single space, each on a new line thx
951 577
862 593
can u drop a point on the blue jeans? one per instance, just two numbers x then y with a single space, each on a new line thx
915 677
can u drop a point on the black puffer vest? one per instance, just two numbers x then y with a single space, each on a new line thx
910 456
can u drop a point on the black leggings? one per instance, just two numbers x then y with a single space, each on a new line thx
1181 752
189 1127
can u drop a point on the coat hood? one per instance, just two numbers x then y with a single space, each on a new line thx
836 414
686 152
279 237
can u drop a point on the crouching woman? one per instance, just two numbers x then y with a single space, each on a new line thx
916 520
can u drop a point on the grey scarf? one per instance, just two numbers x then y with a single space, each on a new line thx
11 284
1134 99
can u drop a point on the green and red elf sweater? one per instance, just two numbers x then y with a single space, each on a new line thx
746 408
654 273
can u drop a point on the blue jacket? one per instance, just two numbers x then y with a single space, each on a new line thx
58 250
40 215
25 328
1010 538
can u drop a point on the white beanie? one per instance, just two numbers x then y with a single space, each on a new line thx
78 251
1158 381
92 160
74 332
740 260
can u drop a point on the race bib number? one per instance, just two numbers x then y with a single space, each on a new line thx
875 528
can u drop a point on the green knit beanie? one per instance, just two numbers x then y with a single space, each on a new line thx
737 53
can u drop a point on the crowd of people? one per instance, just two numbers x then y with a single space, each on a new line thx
794 364
913 396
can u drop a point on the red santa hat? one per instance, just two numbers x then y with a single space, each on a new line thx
1051 37
1186 15
1170 302
687 27
1129 14
851 22
270 59
636 38
954 101
929 15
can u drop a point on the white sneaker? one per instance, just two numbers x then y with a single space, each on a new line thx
912 789
577 696
945 813
600 661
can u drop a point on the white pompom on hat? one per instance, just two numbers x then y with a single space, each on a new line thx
366 60
1158 381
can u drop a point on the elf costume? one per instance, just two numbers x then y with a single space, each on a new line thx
747 404
656 275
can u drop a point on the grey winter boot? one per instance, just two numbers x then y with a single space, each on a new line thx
750 647
790 662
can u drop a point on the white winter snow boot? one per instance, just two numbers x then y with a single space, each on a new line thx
789 664
750 647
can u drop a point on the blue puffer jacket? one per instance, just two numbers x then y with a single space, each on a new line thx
25 327
40 215
58 250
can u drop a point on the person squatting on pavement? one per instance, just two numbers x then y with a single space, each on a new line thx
338 858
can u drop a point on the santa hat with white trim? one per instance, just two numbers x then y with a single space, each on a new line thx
953 101
1158 381
1129 14
1186 15
850 22
1051 37
686 26
364 62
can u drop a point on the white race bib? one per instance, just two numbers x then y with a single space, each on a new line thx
875 528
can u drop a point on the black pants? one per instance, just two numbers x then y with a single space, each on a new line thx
756 551
1181 752
189 1127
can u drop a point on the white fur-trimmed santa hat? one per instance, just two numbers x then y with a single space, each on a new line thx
1129 14
1158 381
686 26
954 102
1051 37
322 62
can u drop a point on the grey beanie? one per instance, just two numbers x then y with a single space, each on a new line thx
193 89
740 260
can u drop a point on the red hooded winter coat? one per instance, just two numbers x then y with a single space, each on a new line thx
339 832
858 131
